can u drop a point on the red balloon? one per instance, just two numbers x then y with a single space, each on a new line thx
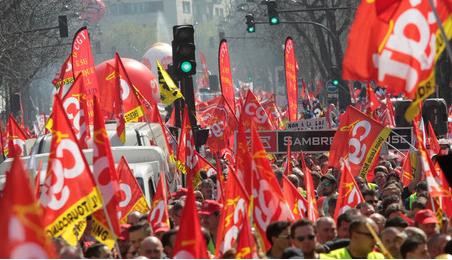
140 76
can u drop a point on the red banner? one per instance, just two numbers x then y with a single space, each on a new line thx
22 220
106 178
131 196
291 78
16 138
69 194
397 47
65 75
76 108
269 202
233 215
158 217
203 79
226 83
358 139
83 62
349 194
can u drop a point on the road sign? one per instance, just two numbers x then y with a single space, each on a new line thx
318 141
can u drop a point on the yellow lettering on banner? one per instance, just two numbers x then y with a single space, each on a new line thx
134 114
427 87
141 206
373 151
72 235
102 234
76 213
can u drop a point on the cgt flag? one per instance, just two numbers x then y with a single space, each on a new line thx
105 226
22 220
358 140
16 138
159 217
69 193
397 45
349 195
290 62
131 197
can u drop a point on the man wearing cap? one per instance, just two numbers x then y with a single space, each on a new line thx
326 189
426 220
210 215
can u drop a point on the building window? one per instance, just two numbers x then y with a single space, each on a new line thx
219 12
186 8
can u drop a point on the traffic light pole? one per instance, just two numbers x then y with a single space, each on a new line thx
330 33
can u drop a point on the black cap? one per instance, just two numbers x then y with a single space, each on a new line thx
329 177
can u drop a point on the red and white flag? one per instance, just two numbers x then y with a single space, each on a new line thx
269 202
64 76
297 203
312 211
105 227
16 138
131 197
69 193
253 113
22 227
349 194
159 217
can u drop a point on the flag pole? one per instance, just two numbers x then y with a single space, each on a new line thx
441 28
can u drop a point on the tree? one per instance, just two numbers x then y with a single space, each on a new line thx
25 49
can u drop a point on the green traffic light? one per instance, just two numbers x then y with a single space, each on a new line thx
251 29
274 20
335 82
186 66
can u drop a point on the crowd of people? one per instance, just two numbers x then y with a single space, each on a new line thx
400 217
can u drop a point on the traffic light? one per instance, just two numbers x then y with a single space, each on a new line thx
335 82
250 23
273 16
183 44
62 26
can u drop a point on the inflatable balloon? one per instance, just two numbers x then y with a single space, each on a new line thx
160 51
142 78
94 10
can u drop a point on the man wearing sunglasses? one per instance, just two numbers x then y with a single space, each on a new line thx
303 236
362 242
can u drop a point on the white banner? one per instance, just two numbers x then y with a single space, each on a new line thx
308 124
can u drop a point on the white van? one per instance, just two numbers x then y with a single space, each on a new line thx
145 160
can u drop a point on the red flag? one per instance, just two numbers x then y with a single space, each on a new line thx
383 51
83 62
269 202
349 194
358 140
64 76
290 62
186 157
434 145
312 211
204 77
407 171
107 181
189 241
243 159
297 203
246 245
221 121
22 220
253 113
273 112
390 112
226 83
131 197
16 138
76 108
127 106
158 217
233 215
372 100
69 194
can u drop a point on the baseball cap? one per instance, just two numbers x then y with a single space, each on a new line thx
160 227
425 216
209 207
